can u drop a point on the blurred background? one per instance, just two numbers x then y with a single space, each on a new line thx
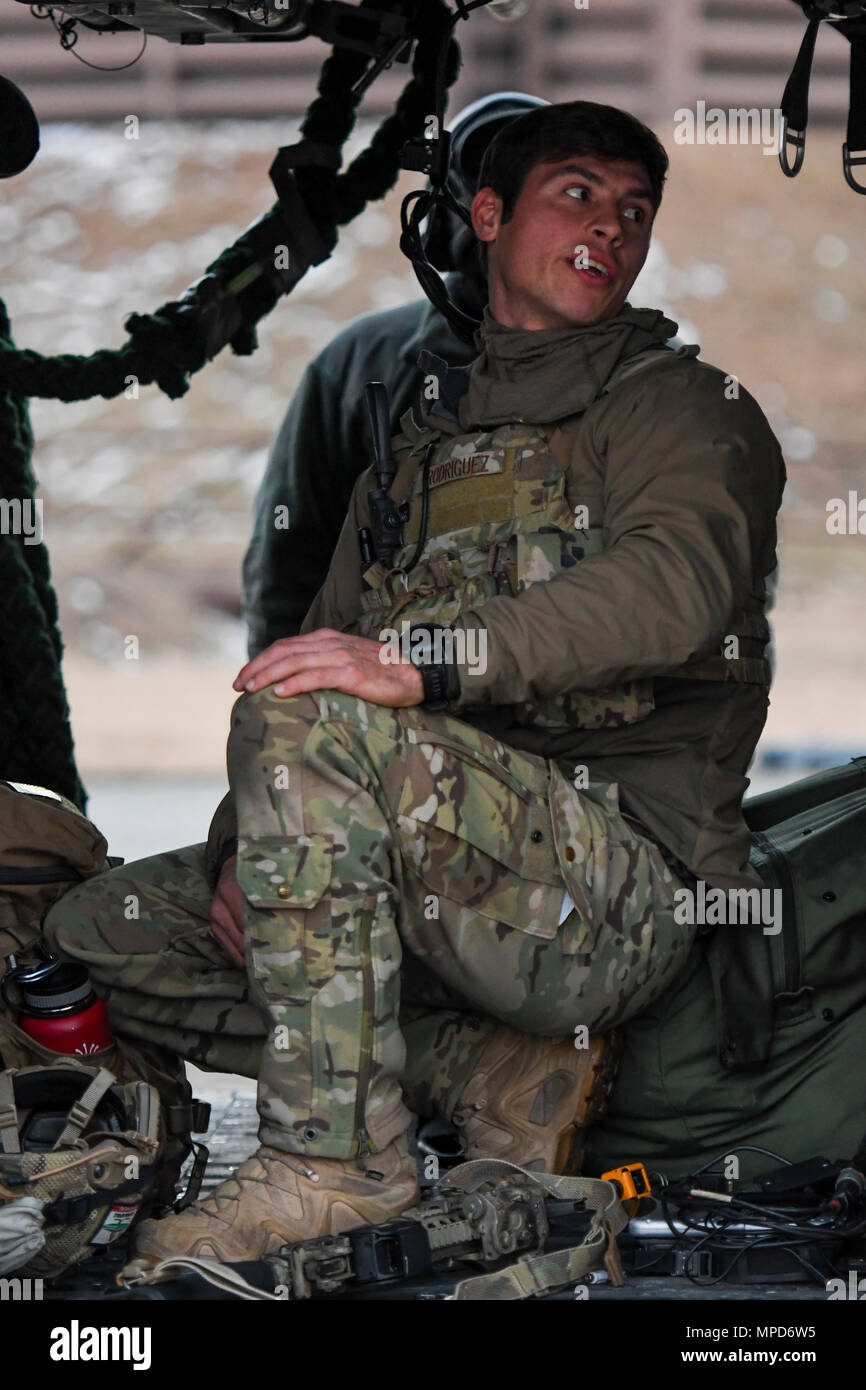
148 502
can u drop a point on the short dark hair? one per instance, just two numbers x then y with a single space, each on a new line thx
553 133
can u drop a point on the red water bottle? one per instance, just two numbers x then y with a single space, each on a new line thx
57 1006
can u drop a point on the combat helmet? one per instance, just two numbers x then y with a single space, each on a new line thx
82 1151
471 132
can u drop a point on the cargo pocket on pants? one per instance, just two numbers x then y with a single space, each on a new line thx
274 873
615 878
470 831
622 890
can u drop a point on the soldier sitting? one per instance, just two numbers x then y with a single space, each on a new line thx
459 860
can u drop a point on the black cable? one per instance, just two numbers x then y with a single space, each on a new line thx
821 1278
722 1217
422 530
430 280
784 1213
759 1242
423 201
791 1223
739 1149
787 1228
642 1269
717 1230
67 32
786 1223
718 1278
713 1237
664 1198
719 1240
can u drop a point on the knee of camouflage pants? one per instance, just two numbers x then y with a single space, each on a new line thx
352 817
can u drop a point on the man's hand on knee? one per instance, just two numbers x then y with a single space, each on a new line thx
227 913
329 660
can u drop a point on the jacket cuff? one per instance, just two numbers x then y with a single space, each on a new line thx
480 672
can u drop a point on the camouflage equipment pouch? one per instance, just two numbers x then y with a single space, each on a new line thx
441 595
46 847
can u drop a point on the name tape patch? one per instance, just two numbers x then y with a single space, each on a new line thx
451 469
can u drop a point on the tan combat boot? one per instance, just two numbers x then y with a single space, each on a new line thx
275 1198
531 1100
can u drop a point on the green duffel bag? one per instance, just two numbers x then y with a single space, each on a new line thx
762 1039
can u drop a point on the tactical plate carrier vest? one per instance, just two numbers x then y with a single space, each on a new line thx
499 520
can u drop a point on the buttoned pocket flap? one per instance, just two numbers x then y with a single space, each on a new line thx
285 871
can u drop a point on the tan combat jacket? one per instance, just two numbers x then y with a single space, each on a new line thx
674 478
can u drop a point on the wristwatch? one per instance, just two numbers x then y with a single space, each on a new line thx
440 679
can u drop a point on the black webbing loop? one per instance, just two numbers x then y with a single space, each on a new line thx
193 1187
855 139
795 100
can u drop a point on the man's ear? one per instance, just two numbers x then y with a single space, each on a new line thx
486 212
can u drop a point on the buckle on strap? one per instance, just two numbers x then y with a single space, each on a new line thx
200 1116
797 139
192 1118
79 1115
9 1141
82 1110
848 161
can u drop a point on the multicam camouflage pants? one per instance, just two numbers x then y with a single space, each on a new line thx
404 876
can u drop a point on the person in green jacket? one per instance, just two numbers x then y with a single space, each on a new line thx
512 735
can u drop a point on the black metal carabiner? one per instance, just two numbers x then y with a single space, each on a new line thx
847 161
798 140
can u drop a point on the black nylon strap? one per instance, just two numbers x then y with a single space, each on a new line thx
795 100
855 139
193 1187
69 1210
60 873
857 109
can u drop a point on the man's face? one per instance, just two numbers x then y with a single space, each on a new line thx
576 209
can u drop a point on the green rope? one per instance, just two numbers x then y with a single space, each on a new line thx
35 736
165 348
